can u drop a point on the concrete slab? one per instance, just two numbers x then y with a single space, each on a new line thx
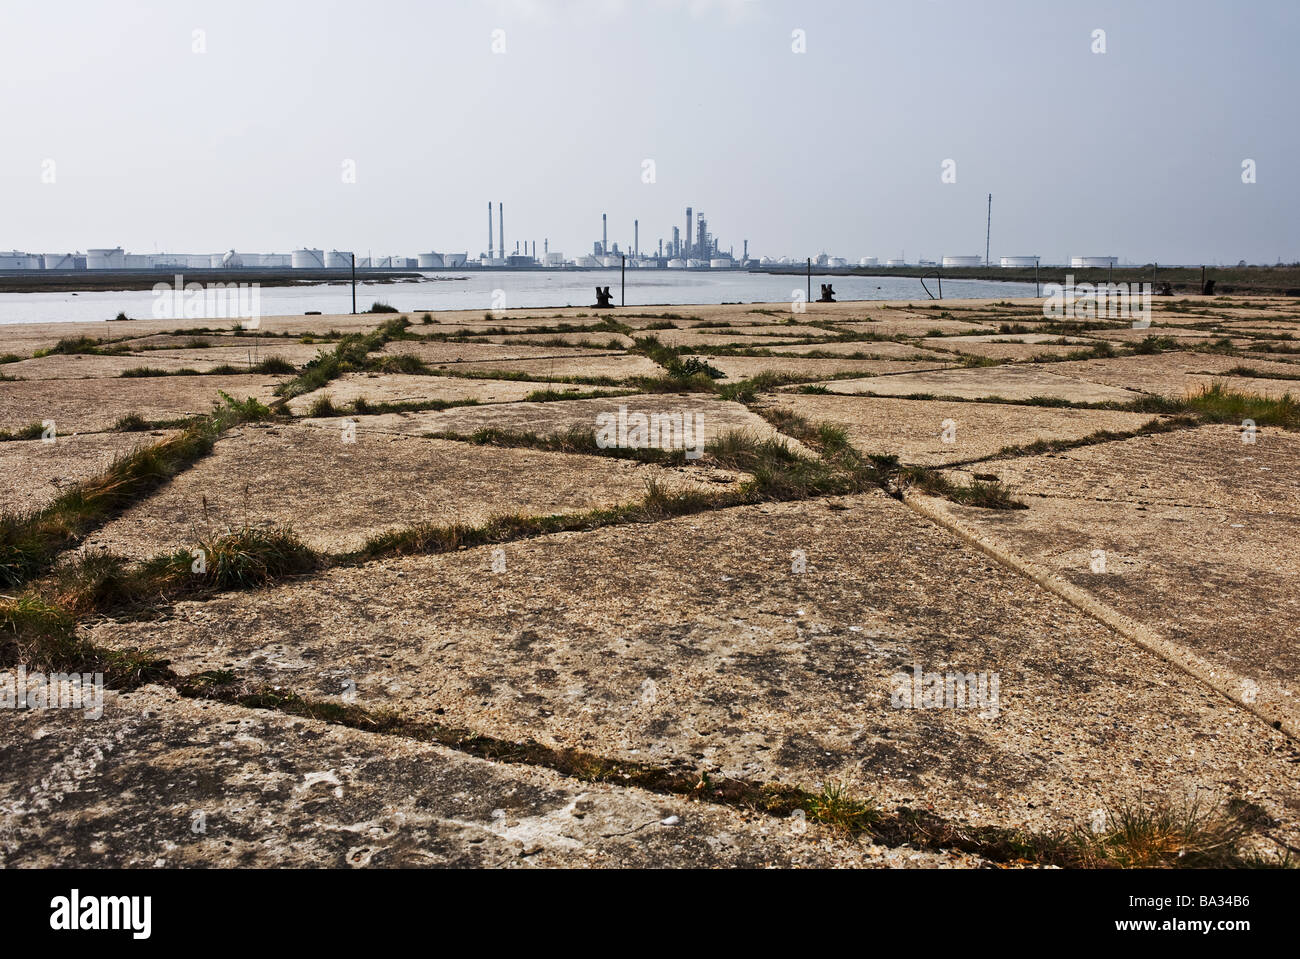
1020 382
1176 374
268 476
713 416
83 406
914 430
696 641
162 781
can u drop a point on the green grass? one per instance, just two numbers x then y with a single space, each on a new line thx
32 431
983 494
379 306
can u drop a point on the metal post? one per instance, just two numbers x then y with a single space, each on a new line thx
622 288
1037 289
354 284
988 233
809 279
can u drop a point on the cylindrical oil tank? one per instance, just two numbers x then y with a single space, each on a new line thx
868 261
105 259
430 261
307 259
958 261
338 260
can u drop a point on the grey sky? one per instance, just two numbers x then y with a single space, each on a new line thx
1136 152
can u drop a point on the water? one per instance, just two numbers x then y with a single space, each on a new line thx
474 290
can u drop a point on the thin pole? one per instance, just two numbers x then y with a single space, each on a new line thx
988 233
1037 289
622 288
354 284
810 279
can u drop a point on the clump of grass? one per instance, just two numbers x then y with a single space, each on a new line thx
550 396
746 391
399 363
427 319
323 406
32 431
1155 344
814 389
983 494
694 366
835 806
1218 403
144 371
41 635
84 345
238 559
274 364
379 306
1164 835
131 423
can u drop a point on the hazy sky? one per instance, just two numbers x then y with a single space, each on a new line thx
1136 152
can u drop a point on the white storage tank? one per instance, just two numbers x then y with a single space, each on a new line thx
338 260
721 263
307 259
1018 261
766 261
137 261
959 261
1093 262
14 260
60 261
868 261
837 262
895 263
105 259
553 259
586 262
697 264
676 263
429 261
454 259
609 261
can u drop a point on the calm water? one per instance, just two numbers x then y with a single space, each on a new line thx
473 290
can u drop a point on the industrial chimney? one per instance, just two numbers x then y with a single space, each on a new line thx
501 227
688 232
489 229
604 236
636 237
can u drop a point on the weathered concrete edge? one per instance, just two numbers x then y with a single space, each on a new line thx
1224 681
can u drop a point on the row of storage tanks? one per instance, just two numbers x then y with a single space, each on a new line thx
305 259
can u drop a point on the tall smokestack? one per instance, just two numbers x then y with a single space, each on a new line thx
489 229
604 235
688 231
501 228
636 237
